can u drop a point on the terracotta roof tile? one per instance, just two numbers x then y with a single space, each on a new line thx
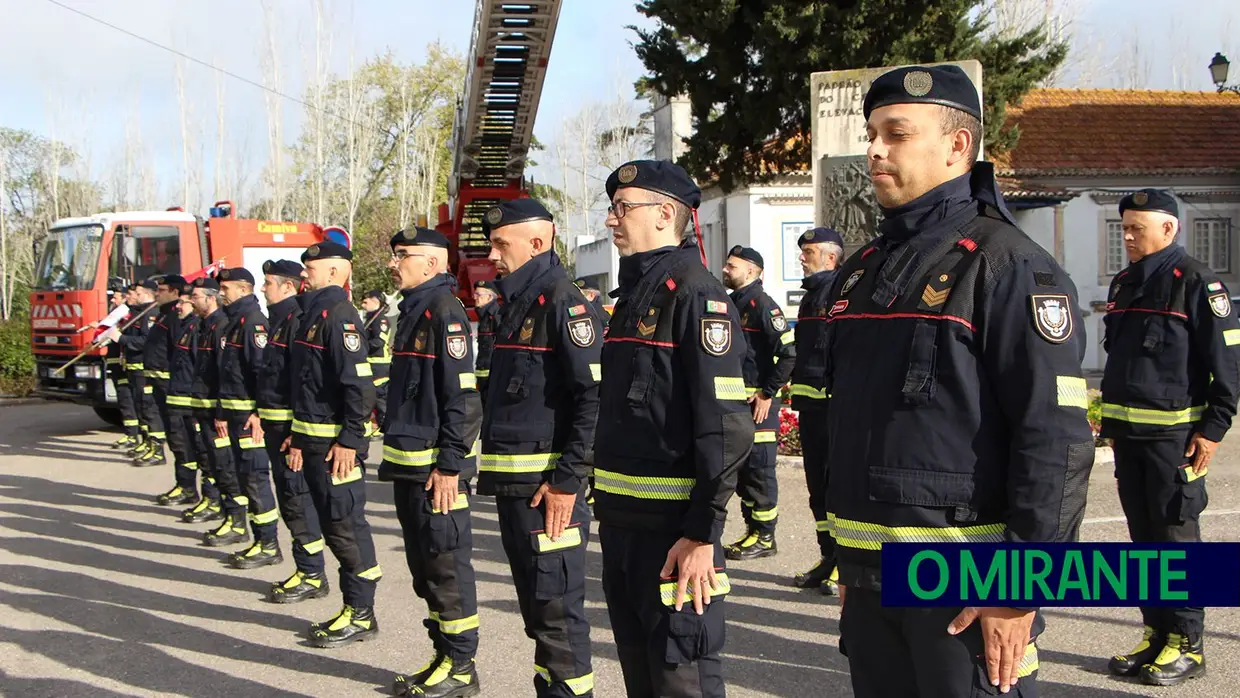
1088 132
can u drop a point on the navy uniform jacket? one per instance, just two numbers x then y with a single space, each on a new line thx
377 351
957 399
275 380
488 318
241 359
157 353
1173 360
183 368
673 426
333 393
133 338
770 351
542 399
811 337
433 408
206 390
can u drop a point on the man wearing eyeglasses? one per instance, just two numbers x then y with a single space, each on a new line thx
673 429
433 418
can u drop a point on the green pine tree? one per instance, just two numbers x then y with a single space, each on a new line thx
745 66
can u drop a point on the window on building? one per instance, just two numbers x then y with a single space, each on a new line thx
1212 243
1117 259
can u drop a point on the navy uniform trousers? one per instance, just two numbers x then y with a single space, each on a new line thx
187 455
221 467
664 653
341 507
254 478
550 577
756 484
294 500
814 450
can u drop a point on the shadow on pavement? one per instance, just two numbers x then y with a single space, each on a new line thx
49 688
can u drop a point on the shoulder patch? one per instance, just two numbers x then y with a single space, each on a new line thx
1052 317
716 336
349 327
352 341
456 346
581 331
1214 286
778 321
1220 304
576 310
260 339
851 281
717 307
383 325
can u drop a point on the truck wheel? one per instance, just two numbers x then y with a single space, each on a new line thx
111 415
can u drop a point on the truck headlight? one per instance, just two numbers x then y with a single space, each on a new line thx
86 371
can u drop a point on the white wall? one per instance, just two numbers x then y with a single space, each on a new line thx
599 258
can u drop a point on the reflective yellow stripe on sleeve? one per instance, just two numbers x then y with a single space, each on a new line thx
1071 392
517 463
468 381
363 370
1138 415
729 388
483 373
787 338
871 536
238 405
667 590
275 415
179 401
148 389
382 381
1231 337
802 390
673 488
324 431
596 371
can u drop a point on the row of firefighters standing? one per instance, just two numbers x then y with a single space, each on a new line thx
948 349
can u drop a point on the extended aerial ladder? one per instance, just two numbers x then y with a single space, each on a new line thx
494 125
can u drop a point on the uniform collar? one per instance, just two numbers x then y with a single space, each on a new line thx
818 279
1152 265
241 306
414 296
217 317
169 307
285 306
741 295
323 297
512 286
903 222
634 267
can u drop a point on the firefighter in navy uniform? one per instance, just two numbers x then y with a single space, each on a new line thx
240 367
673 431
1168 397
488 306
378 353
182 427
281 283
769 357
113 362
132 343
957 400
537 433
205 396
156 356
594 297
822 252
333 398
433 419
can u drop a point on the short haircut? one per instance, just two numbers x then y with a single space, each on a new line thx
683 213
952 120
832 247
210 292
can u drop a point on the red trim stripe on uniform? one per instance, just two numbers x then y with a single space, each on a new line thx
904 316
414 353
520 346
1147 310
314 346
639 340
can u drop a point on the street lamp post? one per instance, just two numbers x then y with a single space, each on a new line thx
1218 73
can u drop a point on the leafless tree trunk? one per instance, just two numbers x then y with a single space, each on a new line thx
185 136
361 141
275 141
6 278
218 184
1137 67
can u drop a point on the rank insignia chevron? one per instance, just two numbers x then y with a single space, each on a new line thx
932 298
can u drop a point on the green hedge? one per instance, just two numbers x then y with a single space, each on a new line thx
16 360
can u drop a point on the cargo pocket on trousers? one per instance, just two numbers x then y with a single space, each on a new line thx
1191 500
688 637
550 576
341 504
442 535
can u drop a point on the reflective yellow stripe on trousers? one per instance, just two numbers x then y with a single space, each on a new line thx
1140 415
672 488
802 390
579 686
871 536
326 431
667 590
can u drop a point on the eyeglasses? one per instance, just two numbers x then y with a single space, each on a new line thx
402 255
619 207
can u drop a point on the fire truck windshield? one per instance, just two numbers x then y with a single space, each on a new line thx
70 259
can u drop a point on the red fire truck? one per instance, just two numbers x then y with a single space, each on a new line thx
83 257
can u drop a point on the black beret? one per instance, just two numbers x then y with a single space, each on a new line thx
1159 200
151 284
582 283
283 267
513 212
326 250
173 281
487 284
419 236
376 294
207 283
236 274
748 254
946 85
820 235
660 176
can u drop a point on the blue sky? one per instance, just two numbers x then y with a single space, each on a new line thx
68 77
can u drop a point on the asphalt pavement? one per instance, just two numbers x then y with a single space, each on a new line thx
104 593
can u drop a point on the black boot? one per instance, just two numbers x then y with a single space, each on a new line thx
154 456
403 684
125 442
138 446
736 545
755 546
350 625
300 587
177 496
1182 658
205 510
1150 646
257 555
831 585
229 533
448 679
815 576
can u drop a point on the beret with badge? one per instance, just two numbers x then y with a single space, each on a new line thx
945 85
485 283
151 284
419 236
173 281
1156 200
816 236
237 274
748 254
660 176
513 212
326 250
207 283
283 267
